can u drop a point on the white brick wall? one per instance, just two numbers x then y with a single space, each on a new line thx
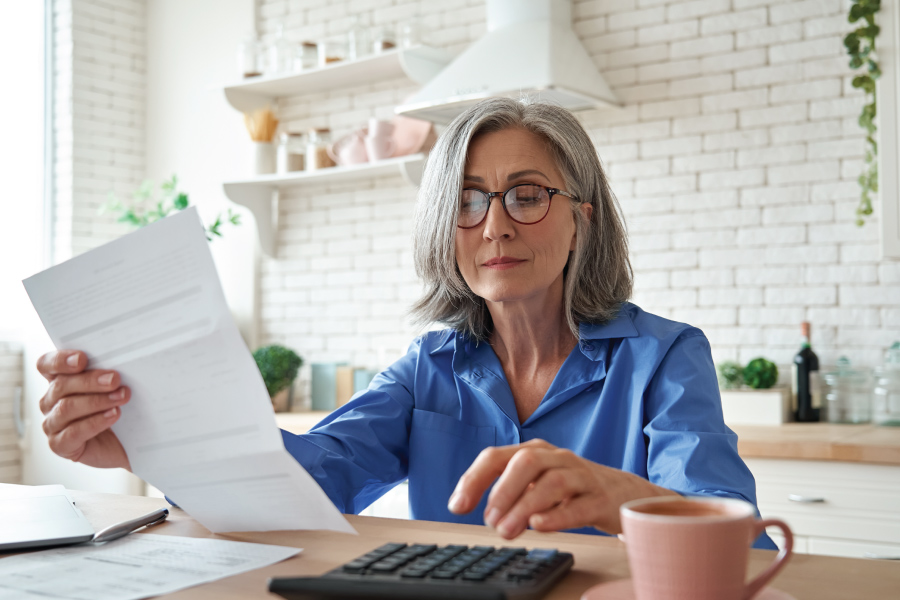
99 55
10 381
735 158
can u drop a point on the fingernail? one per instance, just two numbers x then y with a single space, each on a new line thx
72 361
117 395
105 379
492 516
455 503
110 413
508 529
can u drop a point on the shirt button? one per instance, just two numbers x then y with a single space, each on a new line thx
587 347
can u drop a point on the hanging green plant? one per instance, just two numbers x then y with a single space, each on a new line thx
860 44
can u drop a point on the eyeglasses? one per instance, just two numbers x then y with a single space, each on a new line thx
527 204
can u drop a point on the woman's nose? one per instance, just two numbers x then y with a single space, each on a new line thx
497 224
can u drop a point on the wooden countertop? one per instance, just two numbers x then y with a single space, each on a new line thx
821 441
802 441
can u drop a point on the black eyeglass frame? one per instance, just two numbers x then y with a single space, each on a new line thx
490 195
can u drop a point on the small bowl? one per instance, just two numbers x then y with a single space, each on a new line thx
412 135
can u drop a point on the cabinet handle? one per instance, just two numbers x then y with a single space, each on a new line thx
805 499
874 556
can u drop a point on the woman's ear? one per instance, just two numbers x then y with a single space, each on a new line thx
587 209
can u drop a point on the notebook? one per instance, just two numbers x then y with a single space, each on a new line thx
44 515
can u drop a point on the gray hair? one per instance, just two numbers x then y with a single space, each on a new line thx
598 275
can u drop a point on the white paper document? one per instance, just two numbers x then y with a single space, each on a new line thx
199 425
132 567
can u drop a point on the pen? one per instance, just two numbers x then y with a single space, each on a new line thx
114 532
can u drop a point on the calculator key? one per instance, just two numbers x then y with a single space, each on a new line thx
542 554
356 566
470 576
389 548
519 574
384 566
440 574
413 573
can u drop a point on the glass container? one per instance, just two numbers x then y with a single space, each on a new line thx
306 56
886 394
281 54
291 150
358 45
383 39
848 395
317 149
410 33
332 50
248 57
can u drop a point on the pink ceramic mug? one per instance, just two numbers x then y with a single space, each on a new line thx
695 548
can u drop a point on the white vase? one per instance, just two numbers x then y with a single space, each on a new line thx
264 158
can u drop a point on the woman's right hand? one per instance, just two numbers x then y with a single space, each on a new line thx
80 407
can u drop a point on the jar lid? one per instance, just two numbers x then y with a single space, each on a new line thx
308 44
844 372
320 130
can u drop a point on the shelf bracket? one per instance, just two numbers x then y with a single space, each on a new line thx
262 200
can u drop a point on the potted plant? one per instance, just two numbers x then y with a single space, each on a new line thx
750 396
278 366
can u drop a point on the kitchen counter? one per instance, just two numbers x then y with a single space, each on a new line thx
803 441
299 422
821 441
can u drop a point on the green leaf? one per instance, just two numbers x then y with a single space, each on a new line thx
145 191
170 185
181 201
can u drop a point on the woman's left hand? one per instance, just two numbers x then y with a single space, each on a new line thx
548 489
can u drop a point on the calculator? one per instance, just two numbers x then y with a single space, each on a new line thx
415 571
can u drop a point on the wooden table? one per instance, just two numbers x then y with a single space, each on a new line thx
597 559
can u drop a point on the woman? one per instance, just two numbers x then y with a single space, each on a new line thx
547 381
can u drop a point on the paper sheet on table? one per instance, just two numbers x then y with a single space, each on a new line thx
199 425
132 567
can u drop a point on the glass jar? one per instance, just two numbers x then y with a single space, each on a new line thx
410 33
306 56
248 57
358 45
886 395
281 54
291 150
848 396
317 149
332 50
383 39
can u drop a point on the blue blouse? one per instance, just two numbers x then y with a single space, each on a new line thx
638 394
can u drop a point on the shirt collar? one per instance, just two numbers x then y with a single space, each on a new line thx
621 326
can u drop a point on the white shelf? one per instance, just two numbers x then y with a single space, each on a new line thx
419 63
260 194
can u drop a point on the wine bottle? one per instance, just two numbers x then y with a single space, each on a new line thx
805 387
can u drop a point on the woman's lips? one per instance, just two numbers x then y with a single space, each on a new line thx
503 262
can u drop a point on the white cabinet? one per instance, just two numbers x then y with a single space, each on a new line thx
833 508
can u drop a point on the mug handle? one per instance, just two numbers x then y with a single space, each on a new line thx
784 555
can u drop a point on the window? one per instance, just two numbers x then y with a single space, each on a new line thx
22 197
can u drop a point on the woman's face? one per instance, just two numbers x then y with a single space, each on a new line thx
502 260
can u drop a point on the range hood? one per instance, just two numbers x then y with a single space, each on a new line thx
530 50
